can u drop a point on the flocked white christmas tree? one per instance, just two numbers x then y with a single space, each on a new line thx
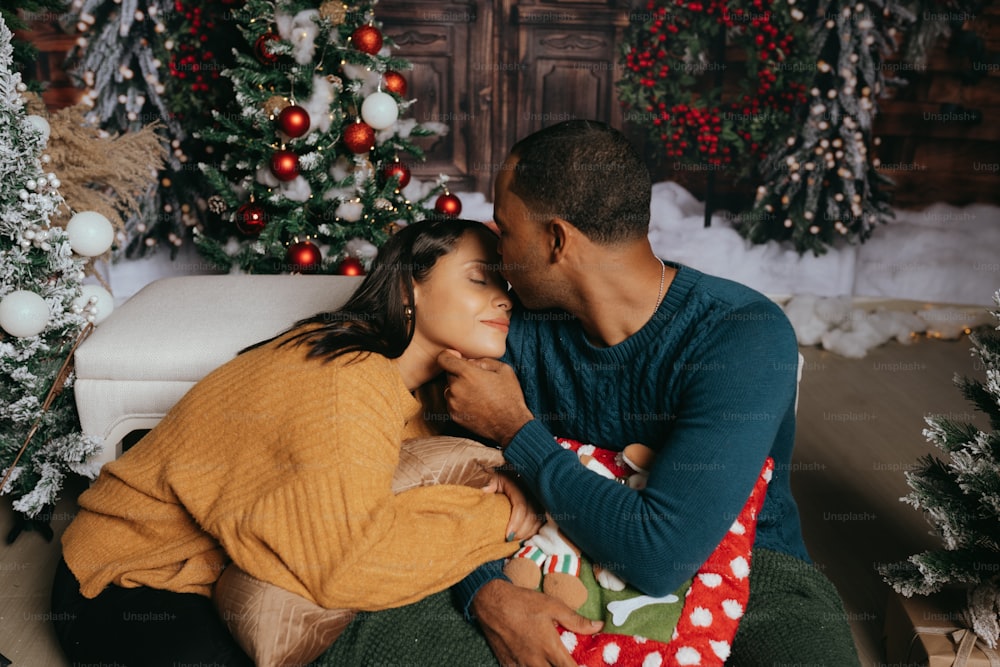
822 183
44 309
961 499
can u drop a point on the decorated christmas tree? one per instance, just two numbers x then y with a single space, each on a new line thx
158 61
822 183
961 498
321 175
44 308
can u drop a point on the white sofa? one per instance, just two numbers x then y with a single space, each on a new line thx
141 360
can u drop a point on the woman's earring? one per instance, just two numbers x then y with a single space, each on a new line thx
408 312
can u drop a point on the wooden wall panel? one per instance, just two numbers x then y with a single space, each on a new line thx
941 133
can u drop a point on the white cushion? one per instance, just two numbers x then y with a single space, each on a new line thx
140 361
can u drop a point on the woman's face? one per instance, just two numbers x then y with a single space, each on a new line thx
463 303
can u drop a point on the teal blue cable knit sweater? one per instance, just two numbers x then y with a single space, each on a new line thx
709 382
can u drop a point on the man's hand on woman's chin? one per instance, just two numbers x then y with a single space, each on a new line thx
484 396
520 625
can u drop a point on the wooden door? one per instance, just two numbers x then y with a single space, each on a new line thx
568 57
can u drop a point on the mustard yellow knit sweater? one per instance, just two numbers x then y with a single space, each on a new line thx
284 464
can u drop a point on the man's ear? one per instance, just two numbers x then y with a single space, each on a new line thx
561 234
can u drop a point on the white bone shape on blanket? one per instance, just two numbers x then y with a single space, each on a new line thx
622 609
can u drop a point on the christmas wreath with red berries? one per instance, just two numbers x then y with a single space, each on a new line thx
714 81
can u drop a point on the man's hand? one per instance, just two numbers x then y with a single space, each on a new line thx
525 518
484 396
520 625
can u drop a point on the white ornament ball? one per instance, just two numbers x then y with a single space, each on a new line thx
90 233
100 300
379 110
350 211
23 314
40 125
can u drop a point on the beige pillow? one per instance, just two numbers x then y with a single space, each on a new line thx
277 628
442 459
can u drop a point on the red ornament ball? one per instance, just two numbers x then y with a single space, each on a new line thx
284 165
251 218
367 39
303 257
261 51
294 121
394 82
359 137
397 169
351 267
448 204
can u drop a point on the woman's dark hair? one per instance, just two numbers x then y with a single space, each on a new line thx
374 318
586 173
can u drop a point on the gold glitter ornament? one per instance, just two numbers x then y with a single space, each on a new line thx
275 104
333 11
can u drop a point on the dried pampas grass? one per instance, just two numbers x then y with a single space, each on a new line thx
100 172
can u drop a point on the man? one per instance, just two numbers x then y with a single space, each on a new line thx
613 346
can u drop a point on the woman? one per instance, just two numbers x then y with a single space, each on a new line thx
281 461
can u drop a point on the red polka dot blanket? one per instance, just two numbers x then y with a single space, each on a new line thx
695 625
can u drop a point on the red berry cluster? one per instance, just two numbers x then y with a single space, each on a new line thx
190 61
693 128
648 62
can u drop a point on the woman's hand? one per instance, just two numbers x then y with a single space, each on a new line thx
525 519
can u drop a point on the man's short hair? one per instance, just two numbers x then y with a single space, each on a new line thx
588 174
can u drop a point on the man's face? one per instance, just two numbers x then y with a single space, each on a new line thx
522 242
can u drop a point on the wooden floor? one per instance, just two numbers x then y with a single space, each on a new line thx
860 428
860 424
